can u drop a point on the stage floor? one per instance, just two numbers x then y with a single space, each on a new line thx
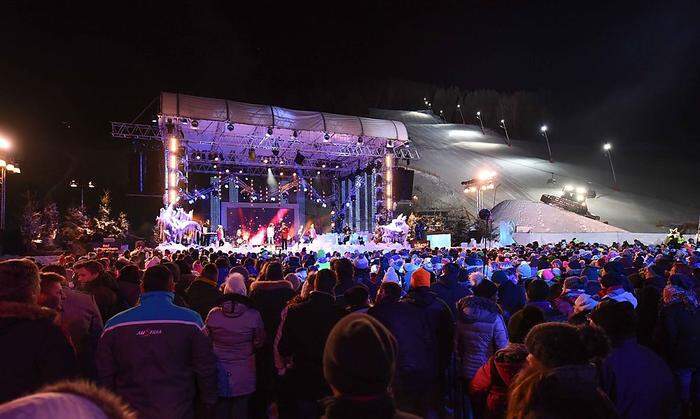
326 242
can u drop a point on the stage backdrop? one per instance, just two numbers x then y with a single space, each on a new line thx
253 219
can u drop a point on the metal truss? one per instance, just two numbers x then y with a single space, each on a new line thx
136 131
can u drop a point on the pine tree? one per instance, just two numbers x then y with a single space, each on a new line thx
76 229
31 222
104 225
123 225
49 225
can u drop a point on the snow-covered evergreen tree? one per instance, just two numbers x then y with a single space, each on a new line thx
49 225
76 230
106 226
31 223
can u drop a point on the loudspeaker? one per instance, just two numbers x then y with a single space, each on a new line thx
403 184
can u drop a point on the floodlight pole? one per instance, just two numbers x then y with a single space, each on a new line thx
481 122
505 129
612 168
549 149
459 108
3 179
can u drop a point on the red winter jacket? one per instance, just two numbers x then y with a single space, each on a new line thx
488 390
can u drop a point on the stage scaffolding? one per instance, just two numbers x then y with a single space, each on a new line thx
224 139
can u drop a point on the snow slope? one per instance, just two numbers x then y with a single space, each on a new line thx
649 198
542 218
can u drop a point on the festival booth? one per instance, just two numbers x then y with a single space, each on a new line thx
262 166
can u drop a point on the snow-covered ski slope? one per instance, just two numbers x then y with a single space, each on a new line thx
653 192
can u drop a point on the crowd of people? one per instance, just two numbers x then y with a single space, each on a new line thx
564 330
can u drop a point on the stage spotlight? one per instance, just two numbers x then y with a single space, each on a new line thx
227 170
183 121
216 157
390 144
318 172
326 137
568 188
360 140
269 132
226 185
265 160
295 134
195 123
323 165
230 126
215 166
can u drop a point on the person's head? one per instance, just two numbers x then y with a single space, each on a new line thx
617 319
357 296
55 268
420 278
486 289
222 263
553 345
522 321
537 290
325 281
157 278
611 279
343 269
51 290
359 339
475 278
294 280
235 284
210 272
130 273
389 292
19 281
88 271
274 272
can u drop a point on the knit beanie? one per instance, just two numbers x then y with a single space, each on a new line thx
499 277
391 276
420 278
522 321
574 283
683 281
359 339
537 290
235 284
361 262
524 270
19 281
556 344
611 279
486 289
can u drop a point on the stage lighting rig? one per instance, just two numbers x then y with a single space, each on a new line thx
195 123
326 137
230 126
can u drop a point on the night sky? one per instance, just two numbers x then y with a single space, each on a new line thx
630 71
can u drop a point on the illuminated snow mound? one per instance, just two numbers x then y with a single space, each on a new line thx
538 217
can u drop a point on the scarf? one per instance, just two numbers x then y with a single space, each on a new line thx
674 294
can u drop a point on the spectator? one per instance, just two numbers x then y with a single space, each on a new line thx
612 288
154 343
558 381
346 278
488 389
677 335
537 293
303 338
93 280
129 282
638 381
481 330
203 293
449 289
222 265
68 399
359 339
574 286
511 295
236 330
34 350
356 299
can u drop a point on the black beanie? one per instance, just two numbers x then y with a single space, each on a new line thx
360 356
485 289
522 321
556 344
611 279
537 290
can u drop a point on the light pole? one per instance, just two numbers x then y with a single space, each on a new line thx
5 167
481 122
607 149
74 184
543 131
459 108
502 124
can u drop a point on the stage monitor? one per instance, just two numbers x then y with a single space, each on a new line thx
403 184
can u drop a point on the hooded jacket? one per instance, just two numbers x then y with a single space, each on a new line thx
82 319
236 330
34 350
481 331
489 387
449 290
157 357
202 296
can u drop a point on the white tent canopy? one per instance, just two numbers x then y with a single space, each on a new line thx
194 107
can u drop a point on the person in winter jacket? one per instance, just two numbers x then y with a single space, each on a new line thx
511 295
488 389
236 330
449 289
69 399
537 294
480 330
129 282
559 380
93 280
637 380
677 335
359 339
573 287
423 327
156 355
203 293
303 338
612 289
34 350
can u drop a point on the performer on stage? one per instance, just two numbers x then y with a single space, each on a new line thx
312 233
284 235
271 234
239 237
220 235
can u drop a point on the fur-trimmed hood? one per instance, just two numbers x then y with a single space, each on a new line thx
69 399
25 311
270 285
474 309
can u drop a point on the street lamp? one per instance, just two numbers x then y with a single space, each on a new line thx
481 122
485 180
5 168
543 131
502 124
459 108
607 149
5 144
75 184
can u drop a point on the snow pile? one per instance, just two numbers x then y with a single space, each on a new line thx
538 217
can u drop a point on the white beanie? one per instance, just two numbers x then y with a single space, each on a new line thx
235 284
391 276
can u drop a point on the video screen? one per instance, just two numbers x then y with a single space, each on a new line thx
253 222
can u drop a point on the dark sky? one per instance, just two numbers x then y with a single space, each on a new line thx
626 70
